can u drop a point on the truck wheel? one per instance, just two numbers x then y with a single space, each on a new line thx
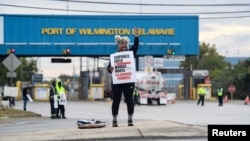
149 102
158 101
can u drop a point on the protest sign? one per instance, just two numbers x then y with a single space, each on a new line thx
124 67
29 97
62 99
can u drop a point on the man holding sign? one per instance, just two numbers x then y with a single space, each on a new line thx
122 68
26 97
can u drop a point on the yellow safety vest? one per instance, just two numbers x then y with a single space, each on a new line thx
135 92
220 91
201 91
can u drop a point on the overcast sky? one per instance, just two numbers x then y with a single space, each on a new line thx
223 23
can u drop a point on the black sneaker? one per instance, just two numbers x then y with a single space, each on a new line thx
115 123
130 123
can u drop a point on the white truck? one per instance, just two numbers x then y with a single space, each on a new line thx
151 87
149 84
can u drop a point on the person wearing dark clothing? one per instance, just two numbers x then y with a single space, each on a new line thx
2 94
25 98
220 96
12 101
126 89
53 100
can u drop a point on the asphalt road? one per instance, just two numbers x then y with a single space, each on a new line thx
182 111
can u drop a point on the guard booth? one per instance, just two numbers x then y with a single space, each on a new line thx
41 92
96 91
96 85
208 88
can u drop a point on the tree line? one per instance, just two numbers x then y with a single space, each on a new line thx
221 72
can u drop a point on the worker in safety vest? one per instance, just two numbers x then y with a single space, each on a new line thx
61 95
220 96
53 100
201 92
136 97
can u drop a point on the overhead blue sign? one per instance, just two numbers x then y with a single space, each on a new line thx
93 35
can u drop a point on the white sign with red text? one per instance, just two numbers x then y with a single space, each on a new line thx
124 67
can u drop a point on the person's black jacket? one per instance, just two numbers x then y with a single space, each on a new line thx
52 93
25 92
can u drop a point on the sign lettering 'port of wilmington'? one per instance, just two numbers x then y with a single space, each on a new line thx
107 31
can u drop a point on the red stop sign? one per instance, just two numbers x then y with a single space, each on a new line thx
231 88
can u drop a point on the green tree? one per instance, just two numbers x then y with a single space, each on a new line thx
241 74
3 73
209 59
27 69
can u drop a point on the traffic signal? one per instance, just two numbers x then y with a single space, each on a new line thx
171 52
66 51
9 51
60 60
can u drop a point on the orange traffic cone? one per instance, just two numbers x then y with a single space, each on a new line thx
246 100
226 99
